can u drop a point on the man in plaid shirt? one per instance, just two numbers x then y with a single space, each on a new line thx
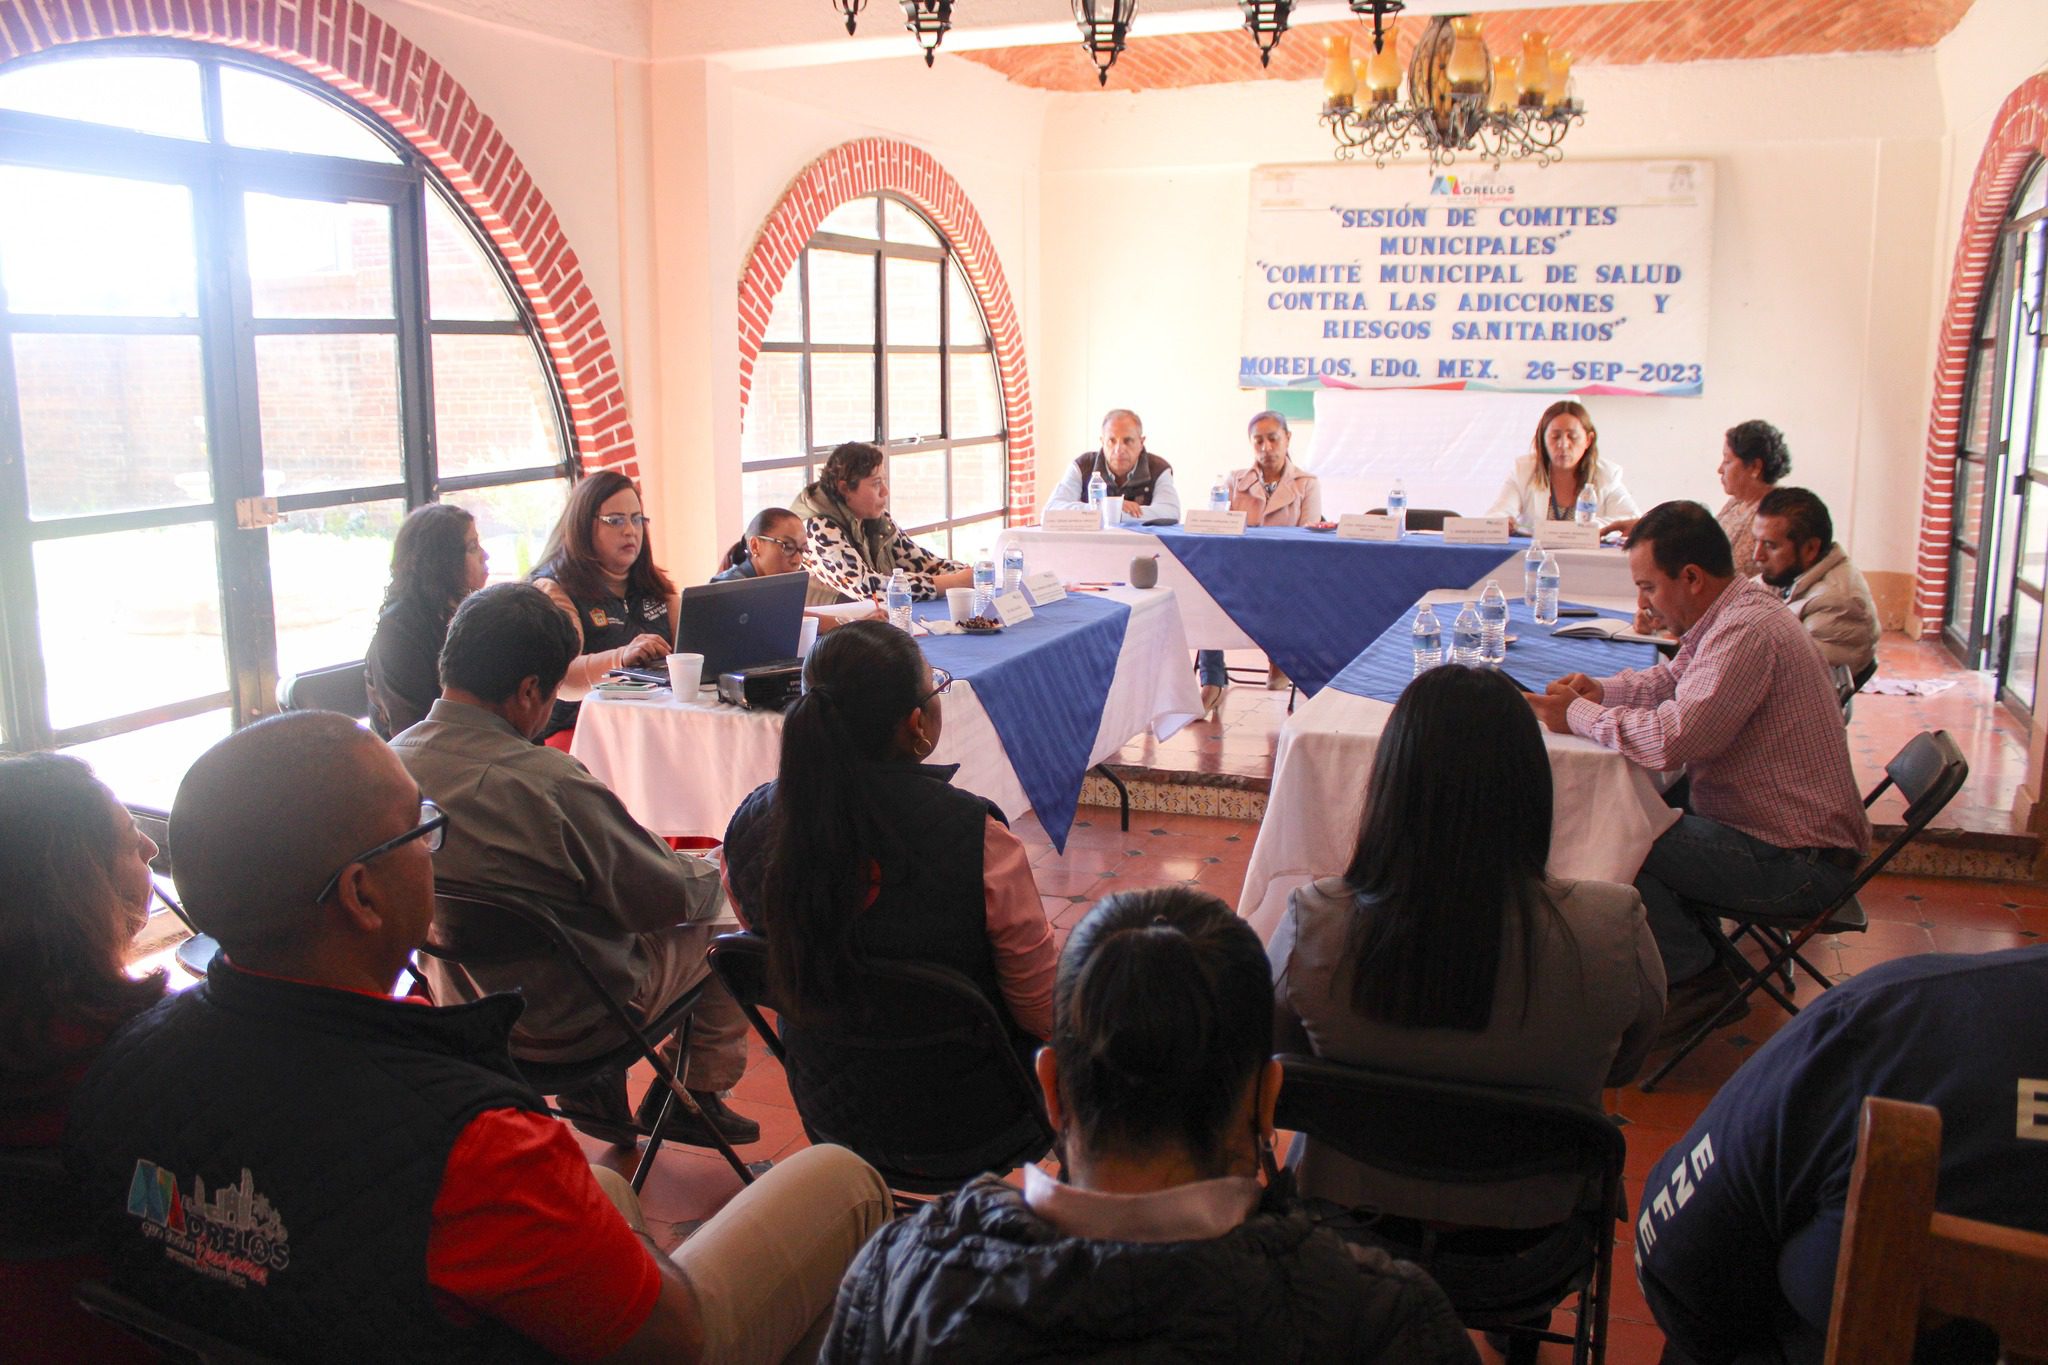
1773 822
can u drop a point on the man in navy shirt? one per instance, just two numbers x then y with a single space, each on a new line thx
1741 1221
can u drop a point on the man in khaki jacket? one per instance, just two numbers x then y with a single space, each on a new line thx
1796 551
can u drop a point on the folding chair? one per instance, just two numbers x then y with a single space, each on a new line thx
867 1081
478 926
176 1340
1904 1268
1929 772
342 687
1455 1134
196 953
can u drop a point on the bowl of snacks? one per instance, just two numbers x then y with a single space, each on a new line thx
981 625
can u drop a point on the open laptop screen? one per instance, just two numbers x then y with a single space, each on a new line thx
742 623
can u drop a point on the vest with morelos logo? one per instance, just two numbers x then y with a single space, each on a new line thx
1137 486
609 623
263 1158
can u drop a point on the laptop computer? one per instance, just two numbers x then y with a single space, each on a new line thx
743 623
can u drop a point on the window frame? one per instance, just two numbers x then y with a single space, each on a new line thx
217 175
882 250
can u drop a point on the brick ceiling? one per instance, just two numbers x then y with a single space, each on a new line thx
1620 35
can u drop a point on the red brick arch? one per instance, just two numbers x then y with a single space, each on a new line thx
2018 135
872 166
349 48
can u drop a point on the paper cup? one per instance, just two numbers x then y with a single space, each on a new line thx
960 604
806 636
685 675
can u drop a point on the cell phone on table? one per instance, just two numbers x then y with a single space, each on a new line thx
1577 611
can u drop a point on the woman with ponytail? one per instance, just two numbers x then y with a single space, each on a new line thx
861 850
773 544
1161 1242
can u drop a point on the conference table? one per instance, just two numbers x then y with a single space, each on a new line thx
1606 810
1307 599
1030 711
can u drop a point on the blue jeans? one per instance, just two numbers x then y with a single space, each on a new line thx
1209 668
1700 868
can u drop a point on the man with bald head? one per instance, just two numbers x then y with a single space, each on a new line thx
289 1158
1133 475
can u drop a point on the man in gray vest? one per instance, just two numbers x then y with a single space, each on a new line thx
1131 473
1797 554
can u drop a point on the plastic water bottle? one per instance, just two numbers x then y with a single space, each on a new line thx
1465 638
1397 507
1098 498
1013 567
1588 508
1531 562
896 600
1493 625
1547 579
1219 494
1429 641
984 585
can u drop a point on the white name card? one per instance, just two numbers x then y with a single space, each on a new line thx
1211 523
1011 607
1066 519
1045 588
1569 535
1475 530
1363 526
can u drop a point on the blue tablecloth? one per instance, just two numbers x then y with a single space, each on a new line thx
1042 682
1312 601
1535 660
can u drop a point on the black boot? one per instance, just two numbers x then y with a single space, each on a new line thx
600 1109
686 1128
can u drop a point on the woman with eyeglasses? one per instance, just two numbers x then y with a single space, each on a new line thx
598 566
861 849
855 545
436 561
1160 1240
773 544
76 872
1563 459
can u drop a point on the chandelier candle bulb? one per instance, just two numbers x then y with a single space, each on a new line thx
1559 94
1466 69
1535 65
1383 73
1338 80
1506 81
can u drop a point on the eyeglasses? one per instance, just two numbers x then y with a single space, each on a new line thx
794 548
432 826
942 681
617 519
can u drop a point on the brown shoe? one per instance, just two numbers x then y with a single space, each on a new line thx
1697 999
1212 700
686 1128
600 1109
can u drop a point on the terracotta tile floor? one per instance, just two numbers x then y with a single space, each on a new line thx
1909 915
1240 741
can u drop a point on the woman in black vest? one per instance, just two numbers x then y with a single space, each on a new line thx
859 849
436 561
1160 1241
598 566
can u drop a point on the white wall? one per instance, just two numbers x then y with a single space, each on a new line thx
1825 168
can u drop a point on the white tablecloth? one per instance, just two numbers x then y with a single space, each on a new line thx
683 768
1105 557
1606 811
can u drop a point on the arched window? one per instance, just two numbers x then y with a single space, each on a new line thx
1998 556
243 330
876 336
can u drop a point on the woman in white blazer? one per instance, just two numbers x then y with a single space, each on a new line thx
1564 457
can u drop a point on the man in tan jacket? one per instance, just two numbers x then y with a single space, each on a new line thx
1797 554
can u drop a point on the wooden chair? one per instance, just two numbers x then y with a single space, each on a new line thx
1904 1268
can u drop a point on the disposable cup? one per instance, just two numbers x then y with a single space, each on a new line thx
685 674
960 604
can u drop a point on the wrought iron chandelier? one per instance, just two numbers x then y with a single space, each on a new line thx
1460 97
1266 20
1104 24
928 21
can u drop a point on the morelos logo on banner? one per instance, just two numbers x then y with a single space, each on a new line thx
1582 277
